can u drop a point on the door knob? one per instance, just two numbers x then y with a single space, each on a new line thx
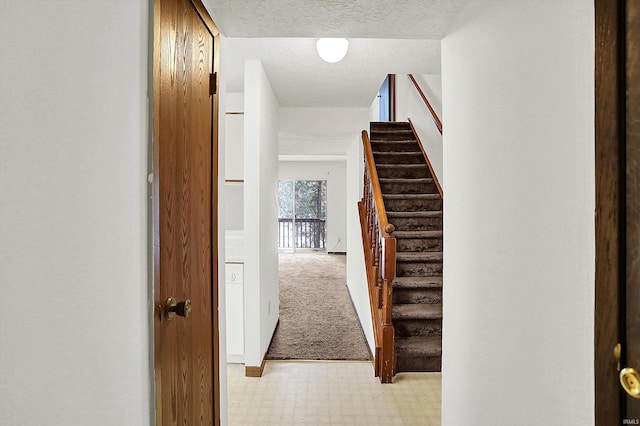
629 377
173 308
630 381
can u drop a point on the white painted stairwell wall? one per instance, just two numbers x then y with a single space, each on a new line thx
518 100
409 104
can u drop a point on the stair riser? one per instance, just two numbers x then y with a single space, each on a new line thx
389 125
419 269
397 146
406 328
394 158
423 295
412 204
417 224
403 172
408 188
423 363
419 244
400 135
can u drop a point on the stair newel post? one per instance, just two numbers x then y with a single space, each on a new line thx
388 275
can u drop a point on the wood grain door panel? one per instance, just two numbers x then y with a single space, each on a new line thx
617 121
184 247
609 218
632 118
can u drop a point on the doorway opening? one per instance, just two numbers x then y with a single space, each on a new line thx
387 99
302 214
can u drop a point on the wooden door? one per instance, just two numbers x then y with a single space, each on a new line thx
387 98
184 217
631 337
384 105
617 310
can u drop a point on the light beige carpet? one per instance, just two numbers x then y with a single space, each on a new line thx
317 318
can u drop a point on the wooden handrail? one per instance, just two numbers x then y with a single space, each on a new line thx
380 259
375 183
436 120
426 157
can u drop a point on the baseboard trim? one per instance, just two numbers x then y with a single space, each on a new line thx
338 252
253 371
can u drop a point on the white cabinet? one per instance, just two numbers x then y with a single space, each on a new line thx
234 297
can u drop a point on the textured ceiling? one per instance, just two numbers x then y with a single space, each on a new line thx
301 79
426 19
392 36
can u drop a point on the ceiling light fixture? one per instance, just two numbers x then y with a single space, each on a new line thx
332 50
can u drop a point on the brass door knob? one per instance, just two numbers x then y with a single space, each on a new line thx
173 308
630 380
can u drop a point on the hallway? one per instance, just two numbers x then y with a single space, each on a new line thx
331 393
317 318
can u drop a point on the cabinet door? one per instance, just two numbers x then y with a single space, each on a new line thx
235 312
234 273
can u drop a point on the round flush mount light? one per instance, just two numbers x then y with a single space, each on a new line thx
332 50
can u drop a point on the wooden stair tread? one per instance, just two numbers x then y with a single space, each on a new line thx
417 234
412 257
404 166
393 130
391 124
405 180
417 311
417 282
419 346
423 213
399 141
399 153
412 196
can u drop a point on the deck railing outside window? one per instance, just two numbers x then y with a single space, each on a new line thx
301 233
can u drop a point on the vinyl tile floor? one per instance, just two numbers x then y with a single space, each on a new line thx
331 393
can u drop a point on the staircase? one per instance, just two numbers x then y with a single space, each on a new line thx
413 206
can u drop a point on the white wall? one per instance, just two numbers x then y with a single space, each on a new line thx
322 120
334 172
356 273
409 104
233 206
74 326
374 109
518 100
260 212
234 160
234 136
320 131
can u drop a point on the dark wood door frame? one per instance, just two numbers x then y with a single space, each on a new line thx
610 271
392 97
155 206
